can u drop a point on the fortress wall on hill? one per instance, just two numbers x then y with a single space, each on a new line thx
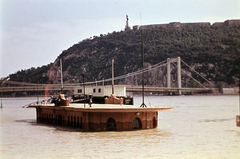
229 23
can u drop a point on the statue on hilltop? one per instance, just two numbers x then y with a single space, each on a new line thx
127 26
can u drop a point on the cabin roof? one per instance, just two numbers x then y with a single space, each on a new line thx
101 86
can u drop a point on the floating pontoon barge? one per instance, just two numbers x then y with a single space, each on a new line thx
100 117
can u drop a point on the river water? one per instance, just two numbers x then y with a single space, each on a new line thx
198 127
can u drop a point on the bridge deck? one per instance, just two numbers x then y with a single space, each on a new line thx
128 89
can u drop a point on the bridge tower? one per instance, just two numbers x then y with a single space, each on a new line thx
178 60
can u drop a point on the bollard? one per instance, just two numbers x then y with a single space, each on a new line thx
238 120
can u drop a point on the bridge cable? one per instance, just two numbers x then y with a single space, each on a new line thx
191 76
129 74
105 80
197 72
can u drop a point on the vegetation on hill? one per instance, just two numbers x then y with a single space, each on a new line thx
32 75
212 51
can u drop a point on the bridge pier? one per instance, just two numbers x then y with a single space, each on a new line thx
179 75
168 72
178 60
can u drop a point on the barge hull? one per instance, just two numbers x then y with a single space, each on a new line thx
100 117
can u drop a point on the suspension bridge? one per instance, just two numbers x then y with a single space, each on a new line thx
13 86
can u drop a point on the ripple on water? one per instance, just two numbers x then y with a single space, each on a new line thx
198 127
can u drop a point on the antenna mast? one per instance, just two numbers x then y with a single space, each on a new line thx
143 104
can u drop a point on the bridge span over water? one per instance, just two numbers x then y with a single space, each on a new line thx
129 88
136 89
27 87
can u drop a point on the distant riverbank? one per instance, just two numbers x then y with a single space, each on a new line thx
215 91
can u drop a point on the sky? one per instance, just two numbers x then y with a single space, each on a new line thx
35 32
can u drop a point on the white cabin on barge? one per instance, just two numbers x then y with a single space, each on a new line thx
99 93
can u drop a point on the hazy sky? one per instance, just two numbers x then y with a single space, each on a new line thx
34 32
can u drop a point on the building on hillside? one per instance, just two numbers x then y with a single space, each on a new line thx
174 24
136 27
218 24
196 24
229 23
232 22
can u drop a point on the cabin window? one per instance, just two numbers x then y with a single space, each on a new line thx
99 90
94 90
79 90
136 124
111 124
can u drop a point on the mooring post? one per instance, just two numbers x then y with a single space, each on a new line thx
61 75
83 75
2 90
37 92
238 120
238 116
112 75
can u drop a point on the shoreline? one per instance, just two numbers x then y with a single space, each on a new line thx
139 95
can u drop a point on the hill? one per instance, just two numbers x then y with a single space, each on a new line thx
212 50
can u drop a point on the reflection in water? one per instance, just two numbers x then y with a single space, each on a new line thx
198 127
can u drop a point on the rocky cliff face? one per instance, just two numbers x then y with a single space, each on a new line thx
212 51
